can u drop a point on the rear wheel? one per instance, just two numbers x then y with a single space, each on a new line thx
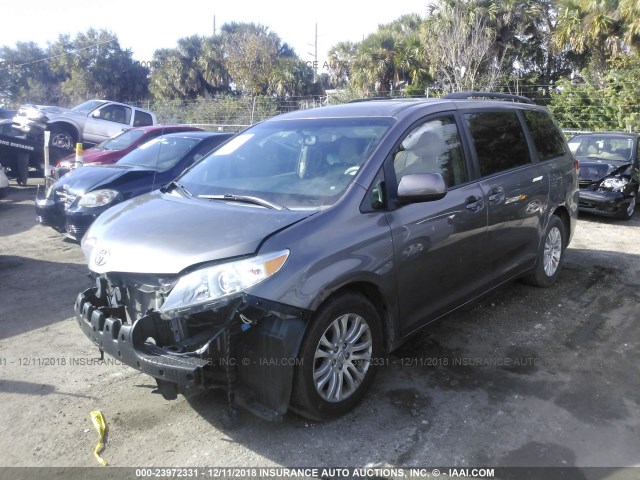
551 254
336 367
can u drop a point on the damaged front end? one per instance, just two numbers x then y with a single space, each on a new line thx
238 342
608 190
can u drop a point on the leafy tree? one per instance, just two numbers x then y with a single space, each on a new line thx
592 106
195 67
260 63
96 66
26 76
70 71
341 56
462 46
594 28
387 59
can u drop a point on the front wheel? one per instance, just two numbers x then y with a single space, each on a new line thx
627 212
551 255
337 357
63 137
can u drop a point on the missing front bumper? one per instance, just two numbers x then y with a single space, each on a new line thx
255 362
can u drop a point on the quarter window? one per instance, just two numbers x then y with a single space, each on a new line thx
432 147
499 141
546 136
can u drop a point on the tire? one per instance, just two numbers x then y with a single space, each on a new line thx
341 383
629 209
63 137
551 254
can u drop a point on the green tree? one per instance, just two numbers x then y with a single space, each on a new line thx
260 63
594 28
195 67
388 59
341 56
613 104
26 76
462 46
94 65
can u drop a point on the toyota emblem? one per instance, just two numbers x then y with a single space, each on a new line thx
101 257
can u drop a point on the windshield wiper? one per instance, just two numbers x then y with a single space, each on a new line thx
173 184
245 199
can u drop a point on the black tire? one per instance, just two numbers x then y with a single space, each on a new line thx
629 209
347 311
551 254
63 137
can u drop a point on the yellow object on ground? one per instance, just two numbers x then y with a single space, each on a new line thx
101 426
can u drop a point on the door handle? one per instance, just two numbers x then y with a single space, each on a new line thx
496 195
474 204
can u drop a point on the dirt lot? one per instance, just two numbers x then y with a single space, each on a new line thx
526 377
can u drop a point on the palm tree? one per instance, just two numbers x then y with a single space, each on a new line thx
341 56
591 26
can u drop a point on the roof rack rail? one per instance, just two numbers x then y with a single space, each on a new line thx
366 99
490 95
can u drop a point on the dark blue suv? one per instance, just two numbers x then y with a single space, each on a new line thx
286 264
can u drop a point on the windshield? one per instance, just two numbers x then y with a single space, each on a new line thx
122 141
296 164
86 107
161 153
617 148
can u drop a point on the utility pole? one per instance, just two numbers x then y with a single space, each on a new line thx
315 56
214 25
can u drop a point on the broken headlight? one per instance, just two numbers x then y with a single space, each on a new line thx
209 284
614 184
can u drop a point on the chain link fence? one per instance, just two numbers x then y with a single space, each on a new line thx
231 113
228 113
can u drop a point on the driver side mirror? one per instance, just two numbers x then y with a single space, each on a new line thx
421 187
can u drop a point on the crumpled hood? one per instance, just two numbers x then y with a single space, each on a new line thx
593 170
164 233
86 179
48 110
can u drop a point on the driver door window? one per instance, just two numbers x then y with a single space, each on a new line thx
432 147
115 113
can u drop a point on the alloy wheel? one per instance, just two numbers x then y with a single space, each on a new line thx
342 357
552 251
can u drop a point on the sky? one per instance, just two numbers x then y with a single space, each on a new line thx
144 27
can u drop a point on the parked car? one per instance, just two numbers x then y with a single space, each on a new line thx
287 263
4 182
113 149
77 199
7 114
608 172
6 127
91 122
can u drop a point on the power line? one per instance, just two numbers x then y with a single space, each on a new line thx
52 57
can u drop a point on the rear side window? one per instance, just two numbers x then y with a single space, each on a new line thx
142 119
546 137
499 141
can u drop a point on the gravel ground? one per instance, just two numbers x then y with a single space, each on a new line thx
525 377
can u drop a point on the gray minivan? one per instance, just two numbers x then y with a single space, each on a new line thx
285 265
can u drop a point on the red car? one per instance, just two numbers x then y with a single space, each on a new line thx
114 148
